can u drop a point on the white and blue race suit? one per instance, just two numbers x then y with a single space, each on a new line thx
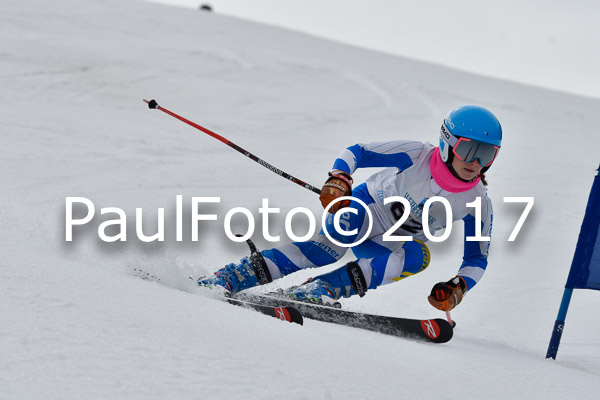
407 174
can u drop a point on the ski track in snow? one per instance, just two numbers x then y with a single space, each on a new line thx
80 320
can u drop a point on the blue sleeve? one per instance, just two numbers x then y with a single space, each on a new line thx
476 252
398 153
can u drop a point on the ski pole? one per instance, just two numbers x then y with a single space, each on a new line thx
154 105
449 318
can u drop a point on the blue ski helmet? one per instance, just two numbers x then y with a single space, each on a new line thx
470 132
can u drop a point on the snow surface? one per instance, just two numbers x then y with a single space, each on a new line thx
78 322
547 43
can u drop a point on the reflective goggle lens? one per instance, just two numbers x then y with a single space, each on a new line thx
467 150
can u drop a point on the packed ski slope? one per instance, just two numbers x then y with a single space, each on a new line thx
543 43
77 320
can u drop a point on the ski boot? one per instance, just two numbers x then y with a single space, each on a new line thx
328 288
315 291
233 277
251 271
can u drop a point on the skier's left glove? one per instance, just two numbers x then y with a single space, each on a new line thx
447 295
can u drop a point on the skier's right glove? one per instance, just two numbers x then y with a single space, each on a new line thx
339 184
447 295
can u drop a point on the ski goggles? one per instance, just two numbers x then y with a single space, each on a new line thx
467 150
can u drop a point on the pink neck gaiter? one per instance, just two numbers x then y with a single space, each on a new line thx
444 177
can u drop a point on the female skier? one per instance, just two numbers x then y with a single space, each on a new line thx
470 139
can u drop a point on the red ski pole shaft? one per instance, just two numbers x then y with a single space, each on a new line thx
449 318
154 105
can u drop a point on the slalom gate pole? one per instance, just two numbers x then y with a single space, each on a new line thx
559 324
154 105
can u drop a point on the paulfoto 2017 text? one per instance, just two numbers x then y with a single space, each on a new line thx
120 220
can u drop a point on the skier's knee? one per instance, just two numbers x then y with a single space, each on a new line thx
416 256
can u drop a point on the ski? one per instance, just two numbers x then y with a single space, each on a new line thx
284 313
430 330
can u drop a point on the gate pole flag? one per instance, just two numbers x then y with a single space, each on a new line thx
585 268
